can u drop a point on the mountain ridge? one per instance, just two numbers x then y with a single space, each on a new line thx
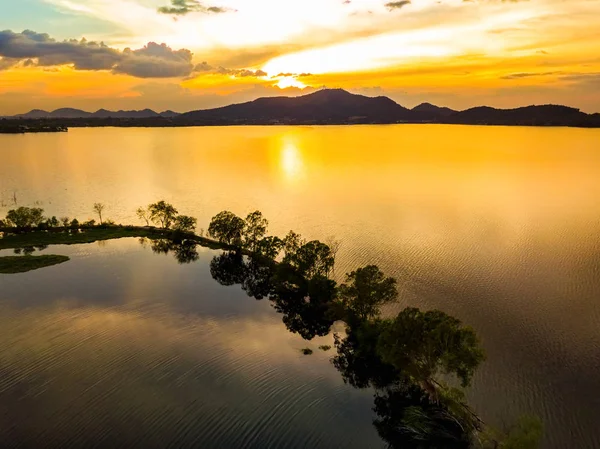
322 107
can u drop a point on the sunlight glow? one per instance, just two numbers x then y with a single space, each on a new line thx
289 81
291 163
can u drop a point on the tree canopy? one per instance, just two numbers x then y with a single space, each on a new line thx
185 223
366 290
162 213
25 217
227 228
255 229
311 259
425 344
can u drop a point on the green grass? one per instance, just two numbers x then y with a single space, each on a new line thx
40 238
23 264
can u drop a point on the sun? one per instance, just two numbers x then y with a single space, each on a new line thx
289 81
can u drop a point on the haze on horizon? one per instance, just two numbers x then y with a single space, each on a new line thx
186 54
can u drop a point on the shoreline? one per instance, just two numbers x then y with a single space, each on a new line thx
15 238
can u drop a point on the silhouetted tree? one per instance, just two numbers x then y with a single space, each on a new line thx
162 213
254 229
53 222
65 221
25 217
291 243
184 223
98 208
227 228
366 290
143 214
311 259
269 247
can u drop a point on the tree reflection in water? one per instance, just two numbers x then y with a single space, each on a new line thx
184 251
411 412
401 359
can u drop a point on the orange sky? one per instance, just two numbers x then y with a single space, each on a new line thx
453 53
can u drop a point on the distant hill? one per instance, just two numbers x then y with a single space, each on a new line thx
146 113
169 114
326 106
545 115
433 111
101 113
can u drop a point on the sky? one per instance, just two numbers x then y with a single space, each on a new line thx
184 55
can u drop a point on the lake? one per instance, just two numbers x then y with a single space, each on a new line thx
499 226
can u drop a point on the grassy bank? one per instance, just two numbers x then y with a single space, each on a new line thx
61 236
74 237
23 264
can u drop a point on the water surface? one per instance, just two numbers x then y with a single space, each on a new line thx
121 347
498 226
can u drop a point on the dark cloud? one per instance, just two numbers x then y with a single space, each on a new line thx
155 61
183 7
514 76
152 61
7 63
397 5
203 67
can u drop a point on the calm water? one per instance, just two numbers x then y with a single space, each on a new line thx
498 226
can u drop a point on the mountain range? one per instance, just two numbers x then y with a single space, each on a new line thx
101 113
326 106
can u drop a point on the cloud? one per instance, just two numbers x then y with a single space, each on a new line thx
397 5
152 61
242 73
203 67
514 76
155 61
183 7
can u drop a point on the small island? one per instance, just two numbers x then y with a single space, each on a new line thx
23 264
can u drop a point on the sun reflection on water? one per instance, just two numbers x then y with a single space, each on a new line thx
291 161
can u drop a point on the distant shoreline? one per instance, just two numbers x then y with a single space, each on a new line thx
27 126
